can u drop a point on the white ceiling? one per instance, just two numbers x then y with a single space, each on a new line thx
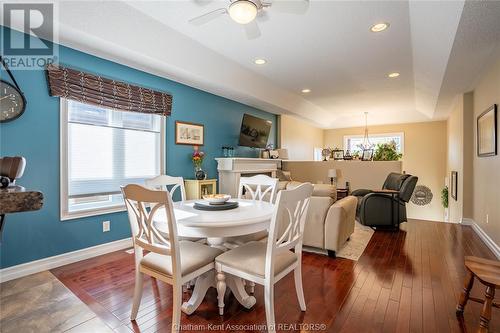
439 47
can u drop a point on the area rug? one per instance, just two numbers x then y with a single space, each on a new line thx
354 248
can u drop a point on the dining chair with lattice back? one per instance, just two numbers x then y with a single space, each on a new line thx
168 259
170 184
260 187
267 263
162 182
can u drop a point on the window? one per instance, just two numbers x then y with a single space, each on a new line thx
102 149
354 142
317 154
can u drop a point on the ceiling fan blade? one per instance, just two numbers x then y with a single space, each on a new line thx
252 30
262 16
202 19
202 2
291 6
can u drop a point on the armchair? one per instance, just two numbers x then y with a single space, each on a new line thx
379 209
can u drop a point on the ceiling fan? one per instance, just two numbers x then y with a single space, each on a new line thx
245 12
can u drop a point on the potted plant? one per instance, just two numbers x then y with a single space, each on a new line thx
386 152
444 197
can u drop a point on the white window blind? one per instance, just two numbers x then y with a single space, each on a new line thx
105 150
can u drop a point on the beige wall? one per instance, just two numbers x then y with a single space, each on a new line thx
486 170
460 144
425 156
299 138
455 162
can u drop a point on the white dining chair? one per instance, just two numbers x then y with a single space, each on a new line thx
162 182
260 187
169 260
267 263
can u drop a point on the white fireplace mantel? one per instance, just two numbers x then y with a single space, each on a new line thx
231 168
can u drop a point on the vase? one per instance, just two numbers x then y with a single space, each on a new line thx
199 174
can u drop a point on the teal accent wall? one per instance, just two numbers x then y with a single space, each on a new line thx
35 135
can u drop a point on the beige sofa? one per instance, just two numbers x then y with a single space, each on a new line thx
330 222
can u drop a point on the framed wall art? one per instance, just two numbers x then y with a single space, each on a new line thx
487 132
189 133
454 185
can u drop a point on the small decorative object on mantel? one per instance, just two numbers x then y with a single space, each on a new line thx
189 133
12 100
338 154
197 159
487 132
367 155
227 151
325 153
274 154
454 185
422 195
347 155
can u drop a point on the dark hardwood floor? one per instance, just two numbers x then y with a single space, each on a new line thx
406 281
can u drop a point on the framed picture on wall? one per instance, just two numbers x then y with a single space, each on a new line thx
189 134
454 185
487 132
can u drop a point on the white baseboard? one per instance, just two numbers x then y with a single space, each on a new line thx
44 264
467 221
484 237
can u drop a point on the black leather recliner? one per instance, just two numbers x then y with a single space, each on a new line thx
375 209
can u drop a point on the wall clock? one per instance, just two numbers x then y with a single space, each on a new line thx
422 195
12 100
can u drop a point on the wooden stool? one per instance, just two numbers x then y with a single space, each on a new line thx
488 273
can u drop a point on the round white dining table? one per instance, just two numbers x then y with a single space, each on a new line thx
215 226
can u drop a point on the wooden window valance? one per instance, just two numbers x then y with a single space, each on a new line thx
96 90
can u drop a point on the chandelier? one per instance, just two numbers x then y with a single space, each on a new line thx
366 140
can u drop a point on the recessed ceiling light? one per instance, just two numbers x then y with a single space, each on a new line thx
260 61
379 27
393 75
306 91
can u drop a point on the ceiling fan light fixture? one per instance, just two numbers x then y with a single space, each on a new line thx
393 75
306 91
243 11
260 61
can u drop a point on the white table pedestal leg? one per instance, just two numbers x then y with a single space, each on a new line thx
203 282
238 290
217 242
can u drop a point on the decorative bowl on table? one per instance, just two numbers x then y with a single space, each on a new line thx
216 199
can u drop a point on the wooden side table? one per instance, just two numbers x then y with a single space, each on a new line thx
195 189
16 199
